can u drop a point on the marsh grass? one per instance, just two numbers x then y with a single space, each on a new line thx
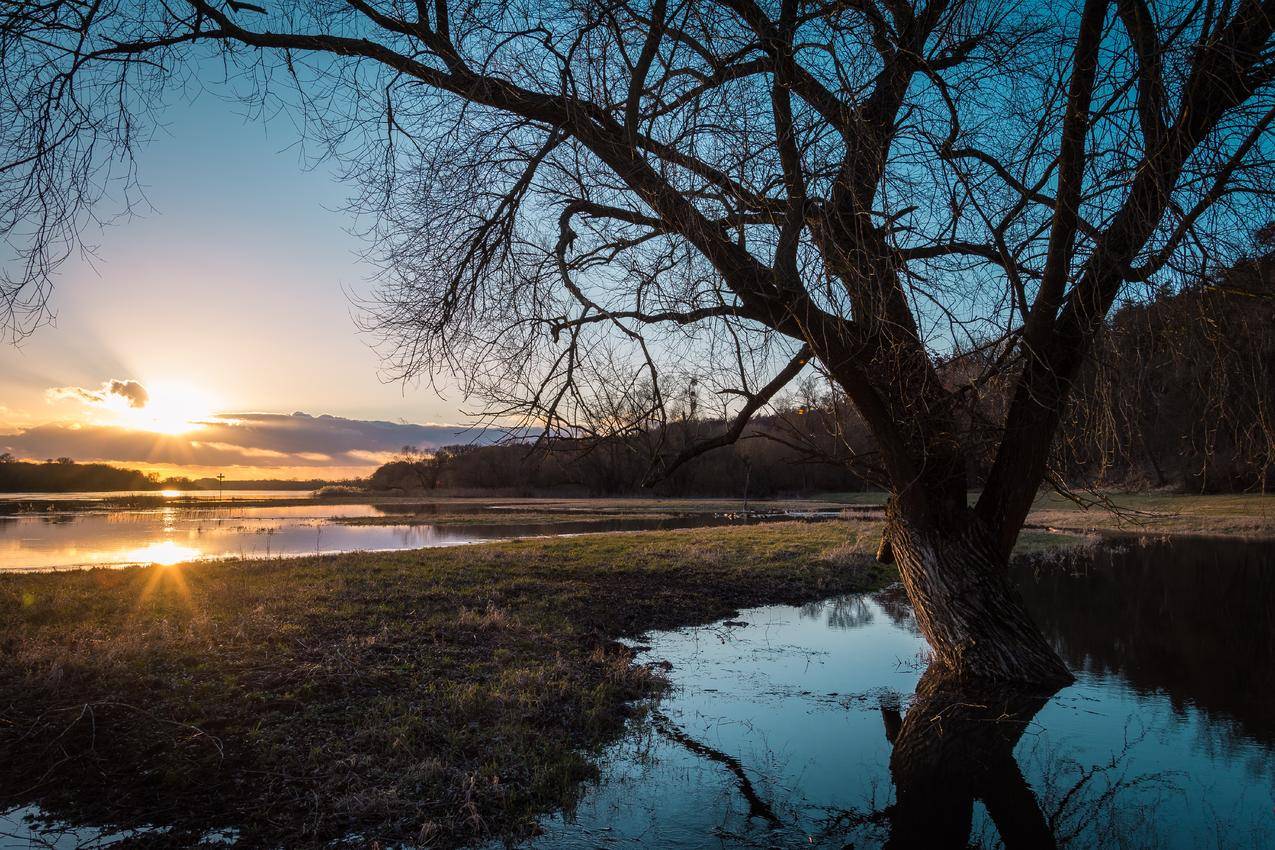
440 696
1224 515
501 517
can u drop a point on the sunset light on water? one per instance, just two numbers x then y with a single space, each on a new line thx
164 554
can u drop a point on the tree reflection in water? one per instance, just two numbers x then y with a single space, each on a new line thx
952 749
850 611
1193 619
1188 621
955 746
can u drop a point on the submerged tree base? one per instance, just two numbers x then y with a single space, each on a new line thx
969 612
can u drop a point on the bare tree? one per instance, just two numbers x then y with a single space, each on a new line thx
583 199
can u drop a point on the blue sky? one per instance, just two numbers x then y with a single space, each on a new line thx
236 288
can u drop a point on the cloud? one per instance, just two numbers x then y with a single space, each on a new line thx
131 392
267 440
334 435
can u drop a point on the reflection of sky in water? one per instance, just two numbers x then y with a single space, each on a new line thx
16 834
175 534
171 534
795 696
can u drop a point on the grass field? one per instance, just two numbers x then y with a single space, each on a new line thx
441 695
1230 515
557 511
1243 515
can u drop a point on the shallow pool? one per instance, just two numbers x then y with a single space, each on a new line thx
786 731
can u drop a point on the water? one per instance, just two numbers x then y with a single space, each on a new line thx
794 726
176 533
1167 739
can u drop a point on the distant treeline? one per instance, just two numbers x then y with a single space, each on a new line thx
64 475
243 484
1183 398
753 467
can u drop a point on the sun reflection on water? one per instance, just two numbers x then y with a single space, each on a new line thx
165 553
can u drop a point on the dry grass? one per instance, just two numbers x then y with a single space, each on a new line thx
1230 515
546 518
442 696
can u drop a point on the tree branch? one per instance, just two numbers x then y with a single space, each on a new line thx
755 401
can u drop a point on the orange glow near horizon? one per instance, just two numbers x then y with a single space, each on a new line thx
233 473
169 427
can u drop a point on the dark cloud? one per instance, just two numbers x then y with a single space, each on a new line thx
243 439
131 392
301 432
134 392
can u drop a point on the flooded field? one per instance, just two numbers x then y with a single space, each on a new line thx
796 726
779 730
117 537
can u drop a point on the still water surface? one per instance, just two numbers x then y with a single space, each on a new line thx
168 535
1167 739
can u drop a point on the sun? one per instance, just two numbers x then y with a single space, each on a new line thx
170 409
165 554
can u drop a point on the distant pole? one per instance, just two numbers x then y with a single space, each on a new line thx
221 481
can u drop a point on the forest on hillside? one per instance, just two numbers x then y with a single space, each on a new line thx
65 475
1180 396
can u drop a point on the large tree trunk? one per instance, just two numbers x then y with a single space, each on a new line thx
973 618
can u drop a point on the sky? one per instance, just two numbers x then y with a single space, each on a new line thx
216 332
